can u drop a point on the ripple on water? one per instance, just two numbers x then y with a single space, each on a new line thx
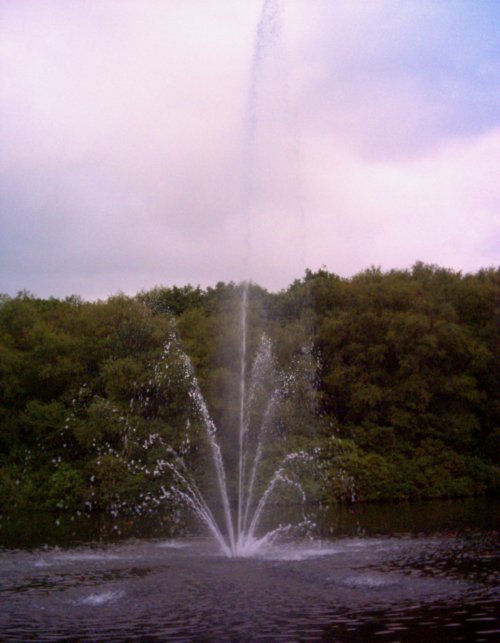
181 590
298 554
369 581
101 598
173 544
83 557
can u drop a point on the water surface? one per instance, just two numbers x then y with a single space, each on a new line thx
368 581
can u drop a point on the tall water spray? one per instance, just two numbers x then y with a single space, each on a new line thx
272 156
266 33
242 529
242 391
266 39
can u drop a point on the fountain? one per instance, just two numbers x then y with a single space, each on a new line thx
236 531
238 535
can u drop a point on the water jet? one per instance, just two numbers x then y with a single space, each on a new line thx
237 532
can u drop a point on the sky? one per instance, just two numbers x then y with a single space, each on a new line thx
148 142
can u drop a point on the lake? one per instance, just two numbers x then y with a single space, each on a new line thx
392 572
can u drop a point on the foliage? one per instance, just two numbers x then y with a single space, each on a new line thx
406 404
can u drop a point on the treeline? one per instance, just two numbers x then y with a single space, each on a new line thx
406 393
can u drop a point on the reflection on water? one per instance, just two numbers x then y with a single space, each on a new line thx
435 581
453 516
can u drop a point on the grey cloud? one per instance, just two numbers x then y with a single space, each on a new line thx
128 158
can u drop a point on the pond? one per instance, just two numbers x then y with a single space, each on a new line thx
417 572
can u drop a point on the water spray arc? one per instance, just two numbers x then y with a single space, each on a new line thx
237 534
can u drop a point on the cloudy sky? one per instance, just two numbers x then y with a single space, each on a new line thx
147 142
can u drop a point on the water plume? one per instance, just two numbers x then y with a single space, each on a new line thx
238 536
